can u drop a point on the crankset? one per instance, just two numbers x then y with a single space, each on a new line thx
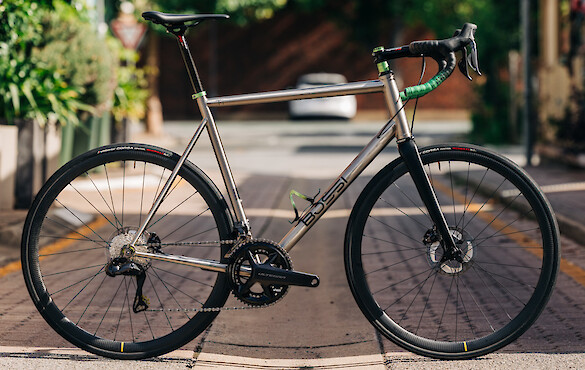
260 273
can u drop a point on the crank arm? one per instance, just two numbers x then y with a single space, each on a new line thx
209 265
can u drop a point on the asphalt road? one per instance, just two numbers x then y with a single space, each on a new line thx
309 323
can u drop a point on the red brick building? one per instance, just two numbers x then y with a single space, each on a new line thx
271 55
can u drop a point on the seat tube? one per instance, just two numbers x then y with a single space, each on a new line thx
242 223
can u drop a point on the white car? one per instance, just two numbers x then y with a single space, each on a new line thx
338 107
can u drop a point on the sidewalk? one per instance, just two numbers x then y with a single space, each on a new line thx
11 223
293 146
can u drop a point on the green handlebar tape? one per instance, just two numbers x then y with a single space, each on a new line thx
417 91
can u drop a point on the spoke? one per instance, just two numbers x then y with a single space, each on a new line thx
141 194
411 289
123 189
77 232
168 284
452 193
464 308
393 243
411 201
402 281
477 305
162 306
67 252
484 203
509 225
72 270
91 300
406 214
397 263
82 289
473 195
109 306
506 234
395 229
91 204
521 247
509 265
159 184
420 287
194 235
103 198
444 309
183 225
111 196
492 274
74 284
72 238
497 216
84 224
462 219
425 306
145 315
177 206
182 276
492 293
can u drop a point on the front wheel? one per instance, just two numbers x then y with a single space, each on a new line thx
84 216
453 305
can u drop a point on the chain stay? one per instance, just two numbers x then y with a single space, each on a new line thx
206 309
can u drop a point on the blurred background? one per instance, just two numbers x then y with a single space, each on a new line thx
78 74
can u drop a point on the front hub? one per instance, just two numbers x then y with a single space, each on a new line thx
446 261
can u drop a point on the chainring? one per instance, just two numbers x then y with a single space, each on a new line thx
246 287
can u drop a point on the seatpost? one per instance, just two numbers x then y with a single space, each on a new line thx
188 59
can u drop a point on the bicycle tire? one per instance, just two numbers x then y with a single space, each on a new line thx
78 222
429 303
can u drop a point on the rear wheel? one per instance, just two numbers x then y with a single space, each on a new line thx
439 304
83 217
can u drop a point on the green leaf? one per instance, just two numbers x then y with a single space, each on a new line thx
15 95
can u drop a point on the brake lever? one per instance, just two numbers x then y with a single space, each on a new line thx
473 58
463 64
470 59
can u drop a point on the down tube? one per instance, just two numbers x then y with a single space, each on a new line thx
338 187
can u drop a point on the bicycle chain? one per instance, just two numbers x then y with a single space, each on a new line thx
209 309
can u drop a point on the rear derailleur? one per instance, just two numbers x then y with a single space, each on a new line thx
126 265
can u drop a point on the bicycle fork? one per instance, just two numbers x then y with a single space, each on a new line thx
409 153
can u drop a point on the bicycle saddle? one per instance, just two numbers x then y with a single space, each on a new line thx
179 19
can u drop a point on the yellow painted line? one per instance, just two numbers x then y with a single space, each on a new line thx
57 246
465 346
122 347
567 267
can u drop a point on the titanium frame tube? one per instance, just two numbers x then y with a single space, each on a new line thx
163 193
226 173
360 87
356 167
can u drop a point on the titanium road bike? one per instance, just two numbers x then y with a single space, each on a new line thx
130 251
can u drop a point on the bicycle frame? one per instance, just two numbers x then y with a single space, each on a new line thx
397 128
